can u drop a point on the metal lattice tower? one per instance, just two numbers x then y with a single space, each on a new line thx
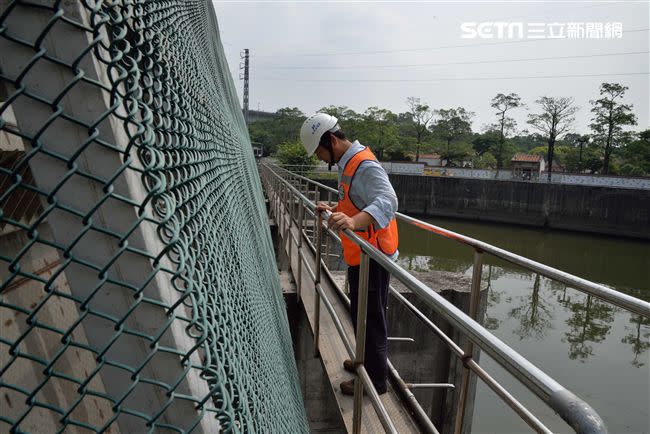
244 77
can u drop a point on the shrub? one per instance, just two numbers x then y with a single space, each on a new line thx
293 154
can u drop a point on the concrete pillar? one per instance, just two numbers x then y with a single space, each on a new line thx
56 311
429 360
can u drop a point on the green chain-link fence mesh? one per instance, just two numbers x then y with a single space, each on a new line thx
139 289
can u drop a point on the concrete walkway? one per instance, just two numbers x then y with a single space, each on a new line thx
332 348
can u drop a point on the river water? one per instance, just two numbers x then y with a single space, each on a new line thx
598 351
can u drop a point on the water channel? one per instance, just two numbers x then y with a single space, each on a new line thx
598 351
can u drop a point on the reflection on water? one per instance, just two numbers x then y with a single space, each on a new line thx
621 263
595 349
534 314
493 299
639 338
589 324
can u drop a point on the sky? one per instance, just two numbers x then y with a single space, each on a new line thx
312 54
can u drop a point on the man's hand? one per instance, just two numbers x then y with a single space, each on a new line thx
323 206
339 222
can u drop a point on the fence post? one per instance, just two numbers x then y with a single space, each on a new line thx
327 238
290 198
301 215
317 267
316 199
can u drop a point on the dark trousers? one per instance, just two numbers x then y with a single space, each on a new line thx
376 324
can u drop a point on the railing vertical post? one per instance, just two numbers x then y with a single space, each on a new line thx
475 297
315 219
272 196
362 313
327 238
317 267
276 197
280 208
301 215
290 198
284 207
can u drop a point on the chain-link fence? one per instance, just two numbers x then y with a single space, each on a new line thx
139 289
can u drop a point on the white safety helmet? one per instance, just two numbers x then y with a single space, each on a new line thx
314 127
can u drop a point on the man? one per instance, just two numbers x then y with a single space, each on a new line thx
367 205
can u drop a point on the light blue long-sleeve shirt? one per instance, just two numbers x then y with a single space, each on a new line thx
371 190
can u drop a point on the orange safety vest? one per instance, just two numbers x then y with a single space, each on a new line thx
384 239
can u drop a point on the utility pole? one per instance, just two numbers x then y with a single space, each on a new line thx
244 66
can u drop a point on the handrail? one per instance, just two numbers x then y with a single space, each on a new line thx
362 374
577 413
572 409
602 292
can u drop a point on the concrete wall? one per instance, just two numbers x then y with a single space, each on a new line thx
507 175
604 210
258 115
601 210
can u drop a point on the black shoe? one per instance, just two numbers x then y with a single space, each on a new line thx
348 365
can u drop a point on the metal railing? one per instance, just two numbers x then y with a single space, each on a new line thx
602 292
579 415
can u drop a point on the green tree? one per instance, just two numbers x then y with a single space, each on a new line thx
290 113
486 141
294 154
397 152
591 160
571 159
578 143
284 127
379 130
421 115
583 155
492 138
353 123
484 161
610 116
505 124
636 155
553 121
452 126
563 154
455 153
539 150
342 113
525 141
